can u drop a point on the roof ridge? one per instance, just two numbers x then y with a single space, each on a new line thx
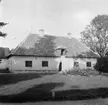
49 35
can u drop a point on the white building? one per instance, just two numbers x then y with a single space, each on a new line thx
41 52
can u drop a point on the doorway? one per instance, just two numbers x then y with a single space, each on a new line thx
60 66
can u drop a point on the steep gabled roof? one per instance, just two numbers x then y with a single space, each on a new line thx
34 45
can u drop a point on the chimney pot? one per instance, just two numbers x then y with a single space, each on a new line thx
41 32
69 35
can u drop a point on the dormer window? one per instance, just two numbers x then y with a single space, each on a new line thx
62 50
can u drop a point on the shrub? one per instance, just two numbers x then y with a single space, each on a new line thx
102 65
82 72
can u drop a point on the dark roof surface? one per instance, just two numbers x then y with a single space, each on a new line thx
49 46
4 52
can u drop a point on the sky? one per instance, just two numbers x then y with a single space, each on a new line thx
56 17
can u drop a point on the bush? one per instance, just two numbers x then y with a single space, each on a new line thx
102 65
82 72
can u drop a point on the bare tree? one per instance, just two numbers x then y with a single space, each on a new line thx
95 35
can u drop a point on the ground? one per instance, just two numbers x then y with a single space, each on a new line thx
27 87
84 102
30 87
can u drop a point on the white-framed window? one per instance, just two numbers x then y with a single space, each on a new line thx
76 64
88 64
44 63
28 63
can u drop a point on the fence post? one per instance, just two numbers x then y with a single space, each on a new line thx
53 94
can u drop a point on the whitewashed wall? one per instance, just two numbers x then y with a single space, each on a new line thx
67 63
18 63
82 62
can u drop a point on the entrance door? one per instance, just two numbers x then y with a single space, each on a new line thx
60 66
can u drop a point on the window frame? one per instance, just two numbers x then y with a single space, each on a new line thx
44 63
76 64
28 63
88 65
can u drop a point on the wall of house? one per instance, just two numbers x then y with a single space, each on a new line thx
83 62
18 63
67 63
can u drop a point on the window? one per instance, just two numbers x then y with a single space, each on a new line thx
88 64
44 63
62 51
0 61
28 63
76 64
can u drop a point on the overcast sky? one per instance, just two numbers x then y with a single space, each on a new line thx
56 17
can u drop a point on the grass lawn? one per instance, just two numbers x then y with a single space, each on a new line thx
34 87
11 78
